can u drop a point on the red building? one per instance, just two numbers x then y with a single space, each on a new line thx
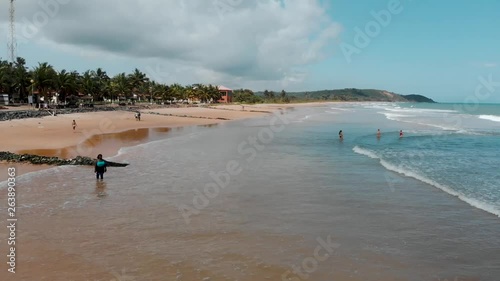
226 94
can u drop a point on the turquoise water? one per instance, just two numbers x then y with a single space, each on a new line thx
450 146
422 207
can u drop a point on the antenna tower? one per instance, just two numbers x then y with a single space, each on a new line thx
12 42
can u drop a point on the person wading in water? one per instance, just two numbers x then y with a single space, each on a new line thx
100 167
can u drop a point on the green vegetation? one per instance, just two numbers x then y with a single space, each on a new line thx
18 81
418 98
352 94
247 96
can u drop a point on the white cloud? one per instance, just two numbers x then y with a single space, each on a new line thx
263 42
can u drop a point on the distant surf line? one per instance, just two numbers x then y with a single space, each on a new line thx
471 201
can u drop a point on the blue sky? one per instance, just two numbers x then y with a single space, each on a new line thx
434 48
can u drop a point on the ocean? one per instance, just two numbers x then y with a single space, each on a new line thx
279 198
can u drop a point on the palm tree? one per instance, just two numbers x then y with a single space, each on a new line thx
191 92
88 84
178 91
137 82
5 77
201 92
102 82
15 79
144 90
205 93
44 79
167 94
20 79
120 86
213 93
67 84
159 91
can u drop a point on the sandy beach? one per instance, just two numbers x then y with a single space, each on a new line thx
303 206
107 132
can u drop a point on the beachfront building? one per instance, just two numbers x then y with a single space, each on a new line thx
4 99
226 94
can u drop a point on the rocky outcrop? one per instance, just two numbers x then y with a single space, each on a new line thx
54 161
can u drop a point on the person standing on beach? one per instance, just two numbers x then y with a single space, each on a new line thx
74 125
341 135
100 167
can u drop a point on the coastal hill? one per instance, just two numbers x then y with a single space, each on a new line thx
349 94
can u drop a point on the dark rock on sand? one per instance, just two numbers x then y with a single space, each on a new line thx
21 114
54 161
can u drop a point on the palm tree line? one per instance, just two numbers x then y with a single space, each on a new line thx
20 82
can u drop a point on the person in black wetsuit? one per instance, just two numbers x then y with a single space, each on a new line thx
100 167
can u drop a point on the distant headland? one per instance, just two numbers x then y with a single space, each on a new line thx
43 84
348 94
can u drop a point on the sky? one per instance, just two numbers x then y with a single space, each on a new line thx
448 50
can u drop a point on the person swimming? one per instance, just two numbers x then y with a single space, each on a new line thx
341 135
100 167
401 133
379 134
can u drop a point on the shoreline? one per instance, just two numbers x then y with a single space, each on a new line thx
246 222
109 131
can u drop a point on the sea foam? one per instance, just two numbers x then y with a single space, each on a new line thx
493 118
409 173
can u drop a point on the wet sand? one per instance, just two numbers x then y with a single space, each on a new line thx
102 132
111 236
56 132
106 144
21 169
74 229
74 243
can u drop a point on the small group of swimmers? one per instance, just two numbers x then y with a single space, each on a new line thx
379 134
